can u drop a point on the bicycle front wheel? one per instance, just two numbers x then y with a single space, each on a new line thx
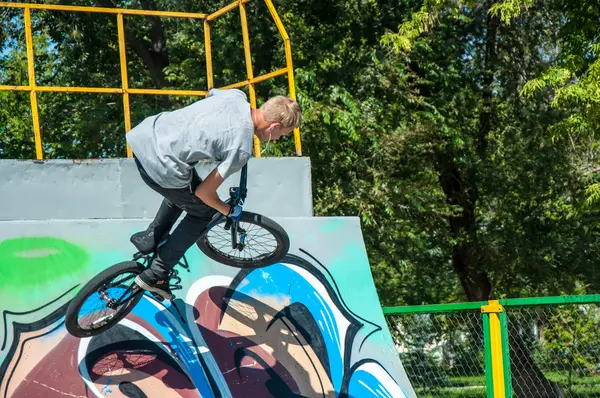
104 300
261 242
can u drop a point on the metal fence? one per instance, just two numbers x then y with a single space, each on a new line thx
535 347
33 88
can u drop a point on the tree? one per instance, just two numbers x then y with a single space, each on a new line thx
547 188
573 82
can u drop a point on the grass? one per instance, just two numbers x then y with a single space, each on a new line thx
581 386
468 381
462 387
563 379
452 392
474 386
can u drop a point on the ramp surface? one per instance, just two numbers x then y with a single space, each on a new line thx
310 326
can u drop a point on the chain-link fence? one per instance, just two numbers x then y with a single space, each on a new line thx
550 347
555 350
442 352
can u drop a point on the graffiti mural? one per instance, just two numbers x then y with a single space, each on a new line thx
293 336
287 330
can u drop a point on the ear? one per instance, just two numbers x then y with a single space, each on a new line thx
275 125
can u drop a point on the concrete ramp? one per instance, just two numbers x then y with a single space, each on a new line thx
310 326
113 189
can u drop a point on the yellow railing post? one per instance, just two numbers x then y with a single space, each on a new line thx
289 65
124 80
292 84
493 310
208 50
32 93
249 70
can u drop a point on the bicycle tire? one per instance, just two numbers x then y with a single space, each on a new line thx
71 316
281 237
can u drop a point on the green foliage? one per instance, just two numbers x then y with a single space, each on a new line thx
573 346
553 77
509 9
421 22
574 79
593 193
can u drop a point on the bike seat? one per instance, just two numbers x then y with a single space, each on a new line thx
145 241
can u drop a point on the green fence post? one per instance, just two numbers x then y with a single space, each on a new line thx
506 355
487 352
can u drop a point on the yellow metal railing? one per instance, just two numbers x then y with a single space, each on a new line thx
33 88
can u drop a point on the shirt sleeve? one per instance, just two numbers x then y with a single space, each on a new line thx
232 162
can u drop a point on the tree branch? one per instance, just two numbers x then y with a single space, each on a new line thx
153 54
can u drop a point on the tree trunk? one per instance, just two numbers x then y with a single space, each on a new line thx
462 192
460 186
528 380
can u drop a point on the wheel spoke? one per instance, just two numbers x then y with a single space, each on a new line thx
259 242
95 311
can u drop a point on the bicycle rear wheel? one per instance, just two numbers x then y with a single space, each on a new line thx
264 242
104 300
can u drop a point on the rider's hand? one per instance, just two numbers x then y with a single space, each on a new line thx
235 212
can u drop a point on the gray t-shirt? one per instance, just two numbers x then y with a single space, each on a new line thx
219 127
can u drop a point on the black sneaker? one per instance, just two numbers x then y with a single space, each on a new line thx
146 242
161 288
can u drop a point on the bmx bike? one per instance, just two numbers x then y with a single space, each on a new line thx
252 242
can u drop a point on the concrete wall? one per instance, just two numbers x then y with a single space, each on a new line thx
112 188
310 326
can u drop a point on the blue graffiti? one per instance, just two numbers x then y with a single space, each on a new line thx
279 278
108 390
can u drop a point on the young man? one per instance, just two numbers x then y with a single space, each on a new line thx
166 148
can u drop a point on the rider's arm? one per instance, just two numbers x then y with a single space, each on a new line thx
232 161
207 192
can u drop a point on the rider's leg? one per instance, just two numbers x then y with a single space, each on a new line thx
156 277
168 213
165 218
146 241
183 237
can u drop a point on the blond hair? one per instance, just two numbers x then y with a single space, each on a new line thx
282 110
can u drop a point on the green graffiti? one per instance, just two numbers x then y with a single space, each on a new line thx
26 262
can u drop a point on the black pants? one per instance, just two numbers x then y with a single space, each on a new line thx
198 215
